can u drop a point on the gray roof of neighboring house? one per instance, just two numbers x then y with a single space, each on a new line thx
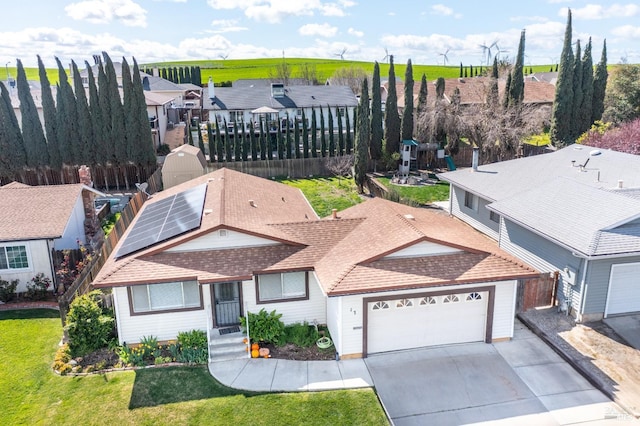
161 84
497 181
583 217
252 97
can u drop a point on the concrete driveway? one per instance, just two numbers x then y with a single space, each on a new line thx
521 382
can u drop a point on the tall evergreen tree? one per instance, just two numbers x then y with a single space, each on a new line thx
176 76
577 93
264 143
219 143
323 135
461 70
181 75
13 157
50 118
280 141
600 85
407 112
505 95
164 73
130 117
340 148
348 139
245 143
228 147
144 152
211 142
422 96
288 142
561 114
362 139
237 143
85 127
492 94
351 136
516 88
584 116
314 133
253 140
296 138
332 142
187 74
376 132
201 141
305 136
35 144
67 119
391 116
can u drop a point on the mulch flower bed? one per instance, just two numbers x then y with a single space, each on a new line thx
293 352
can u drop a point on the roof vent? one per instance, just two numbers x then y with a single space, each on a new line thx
595 152
334 213
252 203
409 217
620 184
207 211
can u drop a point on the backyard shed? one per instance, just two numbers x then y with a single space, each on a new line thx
184 163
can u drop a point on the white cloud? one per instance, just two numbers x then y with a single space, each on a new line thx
275 11
626 31
104 11
226 26
596 11
441 9
355 32
320 30
528 19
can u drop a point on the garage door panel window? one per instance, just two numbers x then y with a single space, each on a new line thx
287 286
472 297
426 301
451 298
404 303
379 306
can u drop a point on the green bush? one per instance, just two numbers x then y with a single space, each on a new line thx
37 289
89 326
8 290
192 339
264 326
302 335
164 149
193 347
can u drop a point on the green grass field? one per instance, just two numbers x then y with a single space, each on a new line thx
234 69
33 394
420 194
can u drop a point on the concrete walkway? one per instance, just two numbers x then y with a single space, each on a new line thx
628 327
281 375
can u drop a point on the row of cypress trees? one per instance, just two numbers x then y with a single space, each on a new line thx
101 130
190 74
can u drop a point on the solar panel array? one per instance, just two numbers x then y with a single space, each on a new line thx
165 219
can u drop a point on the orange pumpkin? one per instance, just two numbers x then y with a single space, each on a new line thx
255 353
245 341
255 347
264 352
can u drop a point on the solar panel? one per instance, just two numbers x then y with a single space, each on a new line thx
164 219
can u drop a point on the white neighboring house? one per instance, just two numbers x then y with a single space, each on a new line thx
37 220
382 276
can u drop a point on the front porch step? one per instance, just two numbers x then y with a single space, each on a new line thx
226 347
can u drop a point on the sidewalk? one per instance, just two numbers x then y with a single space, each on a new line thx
282 375
28 305
595 351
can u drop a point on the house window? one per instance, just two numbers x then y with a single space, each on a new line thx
425 301
470 201
282 287
451 298
474 296
404 303
299 112
341 112
495 217
151 298
379 306
235 116
14 257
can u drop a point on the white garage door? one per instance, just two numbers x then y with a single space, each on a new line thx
624 289
426 321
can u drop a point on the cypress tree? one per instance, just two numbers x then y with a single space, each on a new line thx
211 143
505 95
169 74
305 136
362 139
187 74
470 70
323 136
599 85
219 143
561 114
228 152
422 95
376 133
130 117
176 76
13 157
352 138
189 136
391 116
492 94
287 139
118 132
407 113
181 75
198 77
245 143
461 70
201 141
35 144
332 143
253 141
314 133
144 151
50 118
340 132
263 143
97 106
296 139
577 93
85 127
516 88
237 143
348 140
584 116
67 123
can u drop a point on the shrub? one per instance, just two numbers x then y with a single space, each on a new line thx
264 326
88 325
302 335
8 290
164 149
61 360
149 346
193 347
37 290
192 339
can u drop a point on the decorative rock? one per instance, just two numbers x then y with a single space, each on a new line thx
73 362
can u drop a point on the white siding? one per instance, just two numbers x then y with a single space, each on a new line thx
39 261
163 326
334 321
214 240
352 326
424 248
314 309
504 310
74 231
478 218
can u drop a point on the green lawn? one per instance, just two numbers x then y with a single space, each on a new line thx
327 193
420 194
33 394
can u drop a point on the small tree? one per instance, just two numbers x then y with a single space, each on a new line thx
90 327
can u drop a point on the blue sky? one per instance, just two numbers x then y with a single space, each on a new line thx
166 30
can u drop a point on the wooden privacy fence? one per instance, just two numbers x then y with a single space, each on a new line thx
294 167
82 283
536 292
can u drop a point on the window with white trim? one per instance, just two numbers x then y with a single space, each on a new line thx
470 201
404 303
451 298
428 300
165 296
380 306
283 286
474 296
13 257
494 217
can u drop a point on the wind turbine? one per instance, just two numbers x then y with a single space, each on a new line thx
341 54
386 55
223 57
445 59
486 50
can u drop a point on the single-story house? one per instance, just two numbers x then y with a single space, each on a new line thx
574 212
37 220
383 276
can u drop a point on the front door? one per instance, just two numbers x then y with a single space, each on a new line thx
226 304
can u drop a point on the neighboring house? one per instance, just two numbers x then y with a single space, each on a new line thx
36 220
158 108
276 102
383 276
574 212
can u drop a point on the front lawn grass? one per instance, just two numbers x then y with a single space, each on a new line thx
327 193
423 194
33 394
